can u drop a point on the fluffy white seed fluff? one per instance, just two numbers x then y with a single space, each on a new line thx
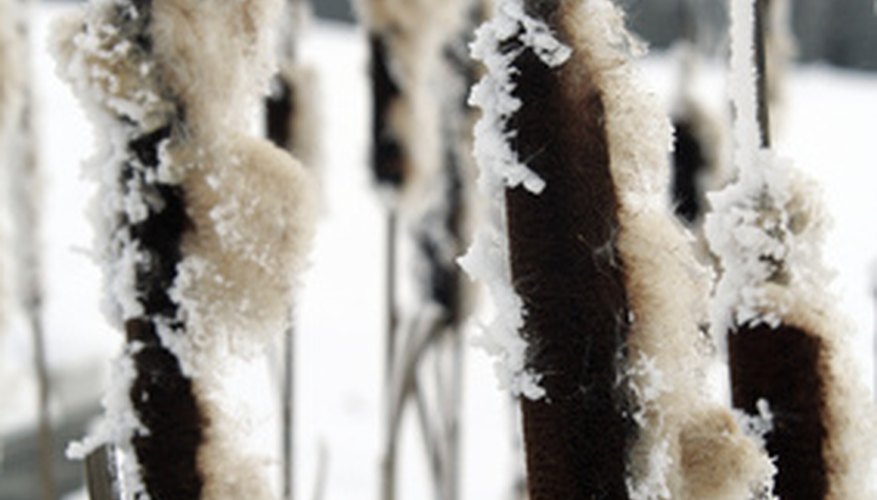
667 288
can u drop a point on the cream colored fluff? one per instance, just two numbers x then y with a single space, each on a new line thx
667 288
217 59
251 235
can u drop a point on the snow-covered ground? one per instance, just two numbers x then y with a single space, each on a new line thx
828 131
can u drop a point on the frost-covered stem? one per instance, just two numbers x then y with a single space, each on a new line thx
288 414
762 7
161 395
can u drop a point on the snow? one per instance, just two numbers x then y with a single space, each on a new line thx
339 314
742 82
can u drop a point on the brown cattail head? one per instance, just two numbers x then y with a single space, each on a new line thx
788 347
406 39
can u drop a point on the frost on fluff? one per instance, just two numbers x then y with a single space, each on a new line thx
767 227
500 169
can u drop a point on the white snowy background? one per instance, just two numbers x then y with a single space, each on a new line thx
828 130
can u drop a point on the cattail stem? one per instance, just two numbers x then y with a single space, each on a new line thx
101 474
762 97
281 126
288 414
390 299
47 475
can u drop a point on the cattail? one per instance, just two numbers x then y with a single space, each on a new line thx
786 344
417 159
202 228
439 227
599 296
405 40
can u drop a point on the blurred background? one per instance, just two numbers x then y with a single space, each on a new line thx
839 32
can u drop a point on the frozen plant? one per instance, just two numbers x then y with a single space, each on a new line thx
787 344
202 229
600 300
420 157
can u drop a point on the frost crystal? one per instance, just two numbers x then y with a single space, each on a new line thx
500 168
766 228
